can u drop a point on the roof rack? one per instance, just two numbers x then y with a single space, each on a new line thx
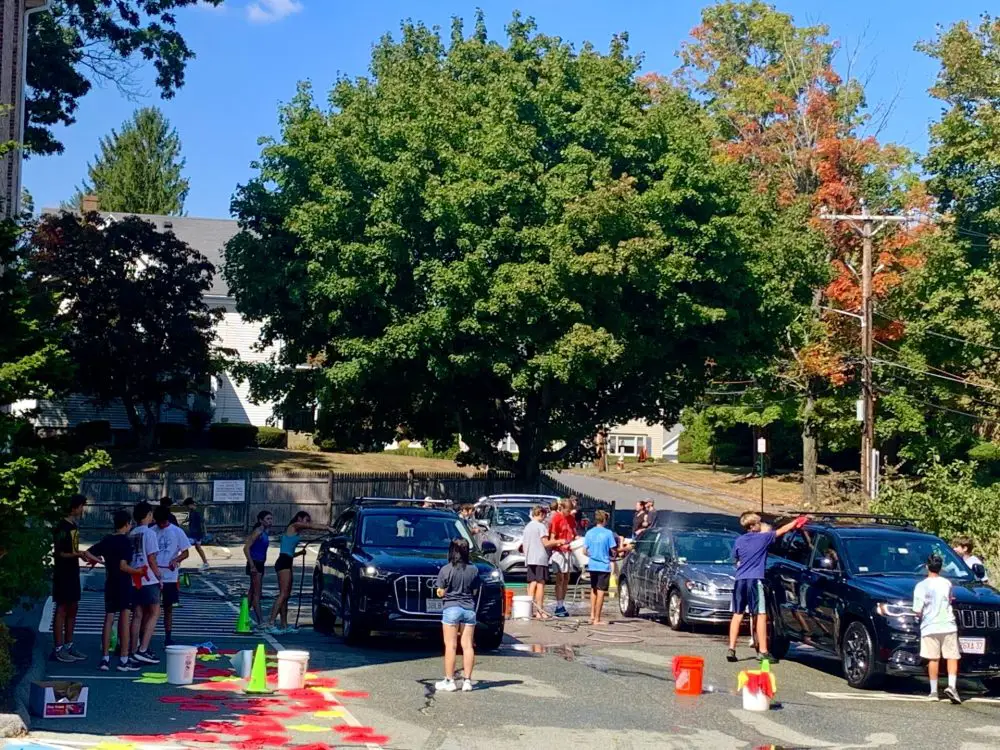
515 498
416 502
874 518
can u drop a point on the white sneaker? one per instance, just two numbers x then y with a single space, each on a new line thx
446 686
204 567
467 686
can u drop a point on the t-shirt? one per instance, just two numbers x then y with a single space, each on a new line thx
599 542
932 601
637 520
460 584
750 553
144 544
170 542
194 523
563 528
534 550
66 538
113 549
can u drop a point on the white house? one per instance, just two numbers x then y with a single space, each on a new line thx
230 400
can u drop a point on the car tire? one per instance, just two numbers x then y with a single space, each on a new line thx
323 619
858 656
675 610
354 628
626 602
489 640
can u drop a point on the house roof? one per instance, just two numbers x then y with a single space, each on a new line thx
207 236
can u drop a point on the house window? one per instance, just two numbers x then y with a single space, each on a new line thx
625 445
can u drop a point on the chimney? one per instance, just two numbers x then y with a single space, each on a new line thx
90 202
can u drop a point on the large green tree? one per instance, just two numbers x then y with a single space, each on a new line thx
497 240
139 169
82 42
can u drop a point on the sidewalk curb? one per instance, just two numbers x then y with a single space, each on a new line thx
18 724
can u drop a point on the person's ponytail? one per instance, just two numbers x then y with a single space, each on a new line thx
260 519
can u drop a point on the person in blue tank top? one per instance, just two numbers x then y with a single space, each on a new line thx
283 567
255 551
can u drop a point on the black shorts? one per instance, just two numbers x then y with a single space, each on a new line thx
600 581
66 587
118 599
171 593
284 562
147 596
538 573
258 564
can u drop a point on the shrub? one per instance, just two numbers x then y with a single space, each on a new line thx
232 437
695 443
987 455
6 660
271 437
170 435
97 432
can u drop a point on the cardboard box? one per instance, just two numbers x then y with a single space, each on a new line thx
58 700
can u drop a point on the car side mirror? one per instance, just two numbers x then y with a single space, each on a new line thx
659 560
979 571
828 564
489 548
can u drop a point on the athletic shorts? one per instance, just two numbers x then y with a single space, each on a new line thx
194 539
600 580
118 599
561 561
538 573
66 588
147 596
458 616
748 596
258 564
171 592
284 562
940 646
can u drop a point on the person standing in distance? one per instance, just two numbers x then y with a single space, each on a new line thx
458 584
196 530
536 544
938 629
255 551
146 600
66 580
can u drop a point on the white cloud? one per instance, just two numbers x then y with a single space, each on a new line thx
269 11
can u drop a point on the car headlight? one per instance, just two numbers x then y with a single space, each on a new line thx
370 571
889 609
494 576
700 587
506 537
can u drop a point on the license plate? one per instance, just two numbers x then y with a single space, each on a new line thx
972 645
437 605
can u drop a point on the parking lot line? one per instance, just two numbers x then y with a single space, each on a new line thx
891 697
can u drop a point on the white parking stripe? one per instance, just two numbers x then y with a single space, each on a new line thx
891 697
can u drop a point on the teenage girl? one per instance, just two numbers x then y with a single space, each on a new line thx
255 551
283 567
458 583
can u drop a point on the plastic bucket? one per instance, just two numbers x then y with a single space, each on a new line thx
508 602
180 664
579 552
688 671
292 667
522 608
755 701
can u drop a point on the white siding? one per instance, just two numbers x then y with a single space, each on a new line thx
232 400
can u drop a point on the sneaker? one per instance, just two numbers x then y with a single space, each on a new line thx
63 656
933 697
952 694
129 666
446 686
204 567
275 630
561 612
467 686
731 655
145 657
75 654
291 630
105 665
767 657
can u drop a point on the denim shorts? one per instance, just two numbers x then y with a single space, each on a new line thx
458 616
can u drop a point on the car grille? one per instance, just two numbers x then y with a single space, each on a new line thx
412 593
979 619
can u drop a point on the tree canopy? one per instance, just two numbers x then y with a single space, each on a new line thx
497 240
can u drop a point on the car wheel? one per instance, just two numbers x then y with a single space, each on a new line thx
323 619
857 653
488 640
777 642
626 603
675 610
354 628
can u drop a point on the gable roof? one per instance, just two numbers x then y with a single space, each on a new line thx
207 236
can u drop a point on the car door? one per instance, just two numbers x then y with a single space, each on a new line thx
642 569
823 592
341 547
663 566
785 577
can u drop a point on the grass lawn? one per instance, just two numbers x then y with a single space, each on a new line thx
272 459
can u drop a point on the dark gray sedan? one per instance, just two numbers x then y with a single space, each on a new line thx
685 575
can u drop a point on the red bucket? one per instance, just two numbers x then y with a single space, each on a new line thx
508 602
688 672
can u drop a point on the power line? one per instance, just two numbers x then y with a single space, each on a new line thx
930 332
960 381
942 408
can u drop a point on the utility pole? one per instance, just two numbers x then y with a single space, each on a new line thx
867 225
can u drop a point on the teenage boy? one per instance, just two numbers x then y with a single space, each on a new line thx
750 554
146 599
66 580
938 630
171 550
600 542
167 502
468 514
116 549
963 547
563 530
536 544
196 530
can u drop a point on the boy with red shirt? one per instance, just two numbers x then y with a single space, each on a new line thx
563 528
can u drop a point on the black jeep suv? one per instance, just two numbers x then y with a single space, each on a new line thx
377 571
845 586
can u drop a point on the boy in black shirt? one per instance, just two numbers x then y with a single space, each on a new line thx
66 580
116 549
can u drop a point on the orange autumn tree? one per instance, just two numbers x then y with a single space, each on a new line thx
782 109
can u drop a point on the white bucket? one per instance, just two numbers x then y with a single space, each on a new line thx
755 701
522 608
292 668
579 552
180 664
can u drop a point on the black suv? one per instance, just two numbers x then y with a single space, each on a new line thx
845 586
377 571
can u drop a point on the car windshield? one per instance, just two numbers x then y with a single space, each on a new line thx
704 548
413 530
513 516
899 553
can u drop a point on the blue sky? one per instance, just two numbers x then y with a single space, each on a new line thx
251 53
